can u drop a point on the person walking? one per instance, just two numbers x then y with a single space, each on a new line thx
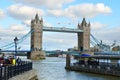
13 61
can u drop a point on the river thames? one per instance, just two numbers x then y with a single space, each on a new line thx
53 68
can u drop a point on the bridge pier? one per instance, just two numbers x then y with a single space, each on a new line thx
37 55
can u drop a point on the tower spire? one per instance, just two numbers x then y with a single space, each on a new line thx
37 17
41 19
83 21
78 25
89 23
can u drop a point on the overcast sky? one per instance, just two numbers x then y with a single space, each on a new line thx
15 17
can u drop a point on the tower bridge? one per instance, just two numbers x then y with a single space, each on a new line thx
83 31
36 32
37 28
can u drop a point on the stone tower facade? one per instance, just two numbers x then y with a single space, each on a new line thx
36 39
84 38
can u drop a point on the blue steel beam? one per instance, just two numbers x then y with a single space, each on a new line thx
47 52
14 51
63 52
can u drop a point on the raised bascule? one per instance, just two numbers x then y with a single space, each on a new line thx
83 32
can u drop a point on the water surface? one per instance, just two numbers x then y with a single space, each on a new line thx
53 68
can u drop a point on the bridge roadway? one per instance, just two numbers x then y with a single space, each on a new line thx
63 29
65 52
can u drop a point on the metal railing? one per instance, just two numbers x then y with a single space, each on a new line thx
10 71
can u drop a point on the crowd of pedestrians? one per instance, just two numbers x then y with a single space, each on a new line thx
9 60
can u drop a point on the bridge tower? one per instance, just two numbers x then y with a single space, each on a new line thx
36 39
84 38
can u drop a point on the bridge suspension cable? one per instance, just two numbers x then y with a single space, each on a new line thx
12 44
92 43
98 44
92 37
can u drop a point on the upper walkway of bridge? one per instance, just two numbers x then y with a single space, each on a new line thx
63 29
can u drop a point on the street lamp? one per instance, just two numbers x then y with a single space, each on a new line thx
15 41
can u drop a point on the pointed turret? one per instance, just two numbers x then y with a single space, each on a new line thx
41 20
37 18
84 22
89 24
78 25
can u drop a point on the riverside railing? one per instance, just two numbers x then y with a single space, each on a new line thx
7 72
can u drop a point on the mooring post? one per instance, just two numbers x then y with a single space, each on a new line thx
68 61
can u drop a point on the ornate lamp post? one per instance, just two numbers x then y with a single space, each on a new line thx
15 41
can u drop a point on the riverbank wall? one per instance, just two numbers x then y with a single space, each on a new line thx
29 75
95 66
96 70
